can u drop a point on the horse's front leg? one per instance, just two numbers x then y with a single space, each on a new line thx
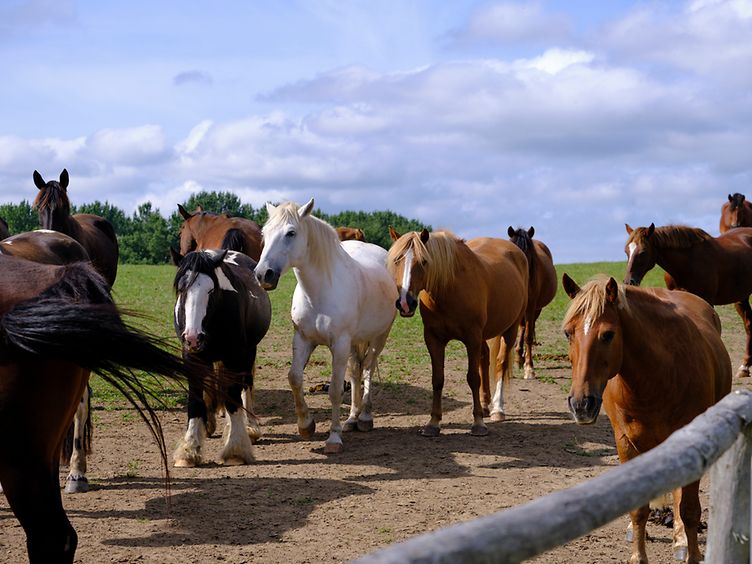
370 365
639 522
301 352
189 450
237 448
745 312
474 346
76 481
340 353
436 349
687 512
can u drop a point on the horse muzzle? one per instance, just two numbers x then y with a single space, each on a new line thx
584 410
194 343
406 306
268 279
632 280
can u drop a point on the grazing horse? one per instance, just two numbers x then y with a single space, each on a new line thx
541 290
472 291
53 247
718 269
4 231
205 230
221 315
343 300
655 359
350 234
95 233
57 323
737 212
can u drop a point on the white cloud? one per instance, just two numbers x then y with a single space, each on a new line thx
514 22
131 146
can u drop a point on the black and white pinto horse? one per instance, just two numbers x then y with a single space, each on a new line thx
221 314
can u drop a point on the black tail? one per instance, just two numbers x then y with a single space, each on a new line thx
234 241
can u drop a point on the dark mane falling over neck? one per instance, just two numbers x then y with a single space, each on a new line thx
524 241
671 236
193 264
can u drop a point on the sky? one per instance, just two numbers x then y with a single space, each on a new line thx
574 117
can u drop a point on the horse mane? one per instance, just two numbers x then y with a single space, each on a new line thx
439 255
323 241
234 241
193 264
590 302
671 236
52 196
524 241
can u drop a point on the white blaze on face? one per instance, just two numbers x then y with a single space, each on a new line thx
588 324
406 274
632 248
196 304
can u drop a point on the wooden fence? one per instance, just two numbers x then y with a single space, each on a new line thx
720 438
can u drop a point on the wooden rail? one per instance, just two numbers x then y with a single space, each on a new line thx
550 521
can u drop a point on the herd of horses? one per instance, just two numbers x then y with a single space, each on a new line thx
652 357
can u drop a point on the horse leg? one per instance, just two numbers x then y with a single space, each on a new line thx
528 331
639 522
485 388
340 354
436 349
237 448
486 383
521 345
301 352
76 481
188 452
354 371
474 348
253 425
687 513
744 311
504 366
370 364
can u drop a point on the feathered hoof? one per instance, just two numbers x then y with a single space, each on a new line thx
365 425
254 433
529 374
333 448
235 461
76 485
430 431
498 416
479 430
486 411
308 432
680 553
350 425
185 463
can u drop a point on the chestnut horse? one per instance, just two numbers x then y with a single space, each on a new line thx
737 212
350 234
4 231
656 360
202 230
95 233
57 323
472 291
541 290
718 269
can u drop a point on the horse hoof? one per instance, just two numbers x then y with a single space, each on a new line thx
183 463
529 375
486 412
234 461
479 430
365 425
350 425
430 431
498 416
308 432
680 553
333 448
743 373
254 434
76 485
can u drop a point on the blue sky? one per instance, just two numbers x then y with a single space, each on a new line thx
571 116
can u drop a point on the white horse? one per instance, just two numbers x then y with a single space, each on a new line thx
344 299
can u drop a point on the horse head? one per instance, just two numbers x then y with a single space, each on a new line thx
641 253
406 262
593 329
738 212
52 201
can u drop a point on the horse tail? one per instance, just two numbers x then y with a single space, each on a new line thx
76 321
234 240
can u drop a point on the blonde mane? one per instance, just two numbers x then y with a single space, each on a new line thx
671 236
323 241
590 303
439 256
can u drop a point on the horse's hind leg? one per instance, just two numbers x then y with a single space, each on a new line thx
301 352
745 312
503 361
639 522
76 482
354 372
687 513
521 345
253 426
340 354
370 365
529 333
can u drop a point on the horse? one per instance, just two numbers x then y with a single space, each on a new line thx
342 300
474 291
95 233
4 231
737 212
540 291
221 314
57 323
205 230
718 269
655 359
53 247
350 234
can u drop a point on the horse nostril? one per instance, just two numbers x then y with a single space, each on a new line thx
268 275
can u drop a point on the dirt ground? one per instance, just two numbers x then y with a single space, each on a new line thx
296 504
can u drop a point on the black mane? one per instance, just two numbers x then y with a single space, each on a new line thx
522 239
195 262
737 200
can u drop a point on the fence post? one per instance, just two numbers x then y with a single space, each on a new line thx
729 522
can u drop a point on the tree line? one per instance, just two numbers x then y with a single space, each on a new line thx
145 236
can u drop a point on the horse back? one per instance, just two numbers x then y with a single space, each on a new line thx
22 279
48 247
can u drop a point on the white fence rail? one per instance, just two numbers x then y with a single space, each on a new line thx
550 521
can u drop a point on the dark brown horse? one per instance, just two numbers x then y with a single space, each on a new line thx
541 290
718 269
56 324
4 231
203 230
472 291
737 212
95 233
656 360
350 234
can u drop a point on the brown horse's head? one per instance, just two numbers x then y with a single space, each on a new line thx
52 201
641 253
190 223
593 329
737 213
406 262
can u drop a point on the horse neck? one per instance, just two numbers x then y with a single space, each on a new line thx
465 259
682 263
314 279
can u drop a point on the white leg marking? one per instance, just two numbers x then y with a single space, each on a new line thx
188 452
76 480
238 448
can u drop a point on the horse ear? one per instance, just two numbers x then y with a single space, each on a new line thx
393 233
176 257
199 208
219 258
612 291
570 286
510 231
424 236
305 209
731 199
651 229
184 212
64 179
39 181
531 231
629 229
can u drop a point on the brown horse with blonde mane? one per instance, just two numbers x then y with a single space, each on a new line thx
472 291
202 230
737 212
95 233
540 291
718 269
656 360
350 234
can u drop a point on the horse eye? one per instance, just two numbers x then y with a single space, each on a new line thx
568 335
607 337
290 234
